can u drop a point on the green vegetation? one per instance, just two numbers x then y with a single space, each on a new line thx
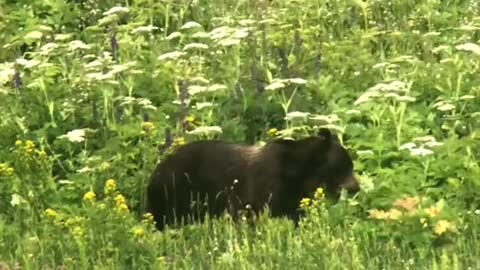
91 92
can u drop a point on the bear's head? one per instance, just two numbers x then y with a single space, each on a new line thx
324 163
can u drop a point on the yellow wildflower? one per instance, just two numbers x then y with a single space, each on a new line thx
5 169
178 141
138 232
122 208
190 119
74 221
9 171
424 222
18 143
78 232
433 211
407 203
51 213
443 226
272 132
42 154
148 126
394 214
104 166
377 214
110 186
89 196
29 146
305 202
148 216
119 200
319 194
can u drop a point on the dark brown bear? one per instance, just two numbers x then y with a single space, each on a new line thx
215 176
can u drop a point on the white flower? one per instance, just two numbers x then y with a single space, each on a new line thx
201 35
467 97
190 25
296 81
199 46
144 29
76 135
420 151
407 146
115 10
469 47
365 152
443 106
34 35
48 48
78 44
62 37
275 85
246 22
200 80
331 118
230 42
427 138
197 89
206 130
201 105
405 99
174 35
353 112
296 115
366 183
28 63
17 200
170 55
433 144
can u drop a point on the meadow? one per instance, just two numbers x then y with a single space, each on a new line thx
94 93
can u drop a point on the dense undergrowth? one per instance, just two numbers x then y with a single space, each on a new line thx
94 93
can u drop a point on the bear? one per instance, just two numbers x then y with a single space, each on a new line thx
214 177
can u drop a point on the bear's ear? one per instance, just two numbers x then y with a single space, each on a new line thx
324 133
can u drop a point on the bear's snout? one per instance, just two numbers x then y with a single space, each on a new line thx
351 184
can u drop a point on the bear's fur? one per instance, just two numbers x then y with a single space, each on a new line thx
224 176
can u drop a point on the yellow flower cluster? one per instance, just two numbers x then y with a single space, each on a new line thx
138 232
305 203
89 196
190 119
6 170
178 142
148 127
78 232
148 217
318 199
443 226
18 143
433 211
50 213
410 207
273 132
29 148
392 214
319 194
121 203
110 186
42 154
408 204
